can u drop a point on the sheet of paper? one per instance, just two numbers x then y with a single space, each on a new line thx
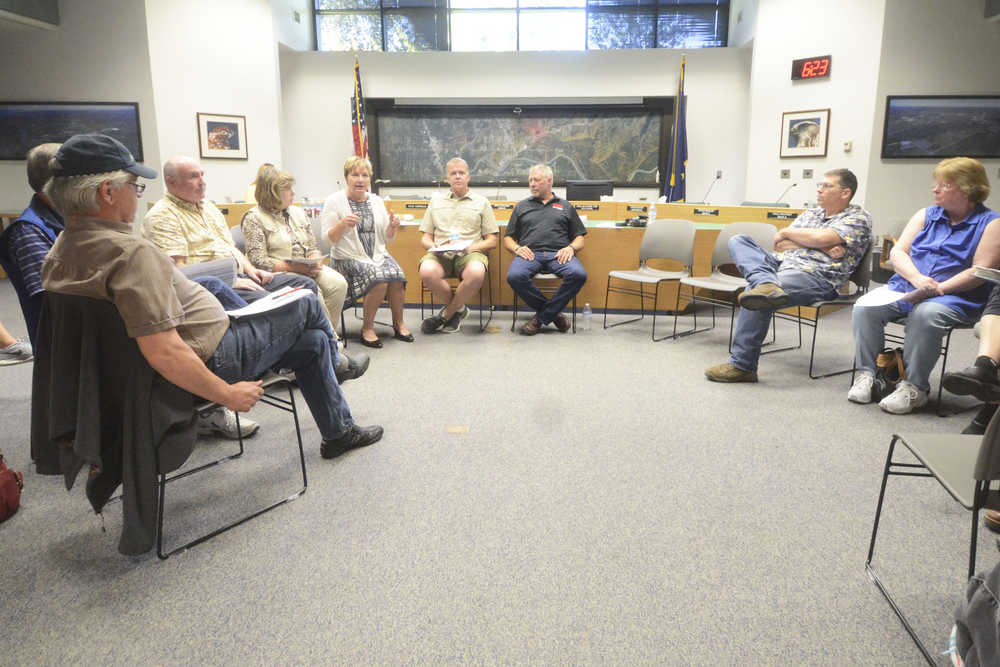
308 261
270 302
992 275
454 246
882 296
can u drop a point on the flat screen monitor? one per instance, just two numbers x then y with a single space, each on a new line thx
588 190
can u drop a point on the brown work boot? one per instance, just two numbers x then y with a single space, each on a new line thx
764 296
561 323
729 373
532 327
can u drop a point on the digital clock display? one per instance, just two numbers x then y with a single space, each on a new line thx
811 68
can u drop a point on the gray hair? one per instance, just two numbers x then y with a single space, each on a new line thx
38 165
455 160
544 168
171 166
77 195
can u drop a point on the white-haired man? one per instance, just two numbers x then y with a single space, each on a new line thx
181 329
460 217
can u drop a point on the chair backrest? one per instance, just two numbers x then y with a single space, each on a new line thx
667 238
761 232
237 233
862 275
988 460
322 240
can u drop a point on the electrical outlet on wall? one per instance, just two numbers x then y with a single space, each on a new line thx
718 174
786 173
807 173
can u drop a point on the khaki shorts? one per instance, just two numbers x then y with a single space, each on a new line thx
453 265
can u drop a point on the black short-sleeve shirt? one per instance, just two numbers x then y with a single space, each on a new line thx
548 226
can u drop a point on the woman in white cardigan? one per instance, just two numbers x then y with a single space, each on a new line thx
358 225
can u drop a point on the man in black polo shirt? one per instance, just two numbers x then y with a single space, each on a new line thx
545 234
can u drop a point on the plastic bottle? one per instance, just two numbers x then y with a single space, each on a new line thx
652 213
588 316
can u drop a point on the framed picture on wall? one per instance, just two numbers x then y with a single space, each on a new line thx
805 133
940 126
24 125
222 136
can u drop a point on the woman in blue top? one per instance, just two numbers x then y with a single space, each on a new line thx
933 259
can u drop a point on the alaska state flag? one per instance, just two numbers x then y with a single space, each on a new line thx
675 183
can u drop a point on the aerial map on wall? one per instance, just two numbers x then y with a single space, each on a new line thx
621 146
937 127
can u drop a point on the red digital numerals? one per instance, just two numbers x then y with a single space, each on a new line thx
814 68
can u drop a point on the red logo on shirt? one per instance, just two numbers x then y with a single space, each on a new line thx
558 206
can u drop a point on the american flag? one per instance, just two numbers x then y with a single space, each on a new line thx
358 129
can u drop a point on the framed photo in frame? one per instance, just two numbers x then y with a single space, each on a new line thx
24 125
222 136
940 126
805 133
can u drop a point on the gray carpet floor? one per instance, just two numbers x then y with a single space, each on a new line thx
563 499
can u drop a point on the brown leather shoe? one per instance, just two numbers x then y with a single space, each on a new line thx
991 519
763 296
729 373
532 327
561 323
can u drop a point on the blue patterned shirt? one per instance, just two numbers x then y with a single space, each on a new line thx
853 225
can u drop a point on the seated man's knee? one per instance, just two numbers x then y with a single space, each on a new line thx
431 270
474 274
738 240
930 315
519 277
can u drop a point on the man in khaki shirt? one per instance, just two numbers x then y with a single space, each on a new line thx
181 329
464 218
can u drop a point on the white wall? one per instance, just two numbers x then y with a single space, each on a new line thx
298 36
316 88
788 29
742 22
933 48
215 57
99 53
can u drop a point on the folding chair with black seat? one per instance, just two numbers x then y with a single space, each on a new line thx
453 282
857 286
966 466
550 285
664 239
129 423
728 284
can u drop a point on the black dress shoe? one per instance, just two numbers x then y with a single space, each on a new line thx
354 368
356 436
371 343
982 419
976 381
406 338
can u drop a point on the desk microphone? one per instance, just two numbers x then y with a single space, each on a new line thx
782 196
704 200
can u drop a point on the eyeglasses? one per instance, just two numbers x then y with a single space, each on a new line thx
139 188
826 186
944 186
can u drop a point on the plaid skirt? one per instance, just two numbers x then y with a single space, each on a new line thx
361 276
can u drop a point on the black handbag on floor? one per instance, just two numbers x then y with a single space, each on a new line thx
888 372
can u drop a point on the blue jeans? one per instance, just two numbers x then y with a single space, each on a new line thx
760 266
297 336
521 272
281 280
226 295
926 325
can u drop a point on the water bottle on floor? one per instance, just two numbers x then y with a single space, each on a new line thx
588 316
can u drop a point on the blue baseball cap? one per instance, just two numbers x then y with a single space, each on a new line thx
97 154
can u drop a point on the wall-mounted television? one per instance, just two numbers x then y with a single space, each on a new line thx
588 190
940 126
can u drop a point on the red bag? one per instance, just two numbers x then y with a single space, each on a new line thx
11 483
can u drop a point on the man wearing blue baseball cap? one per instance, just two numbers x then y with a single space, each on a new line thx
180 328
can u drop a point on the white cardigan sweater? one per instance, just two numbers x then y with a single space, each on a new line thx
349 246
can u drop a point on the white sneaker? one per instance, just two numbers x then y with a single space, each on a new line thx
861 391
222 423
904 400
17 352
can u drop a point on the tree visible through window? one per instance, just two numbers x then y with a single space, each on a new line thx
519 25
